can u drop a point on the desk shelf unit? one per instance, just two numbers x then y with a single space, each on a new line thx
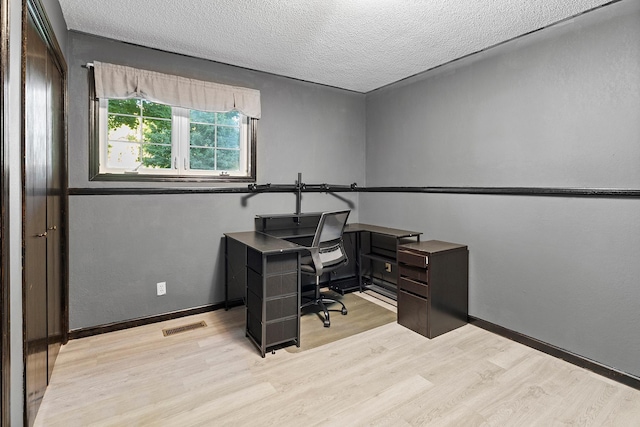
377 256
433 287
298 227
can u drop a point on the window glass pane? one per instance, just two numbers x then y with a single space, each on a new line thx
124 128
157 148
203 117
156 156
151 109
228 137
156 131
123 149
228 160
123 154
231 118
123 120
202 135
202 158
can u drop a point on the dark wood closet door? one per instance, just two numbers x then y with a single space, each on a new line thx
55 152
35 221
44 204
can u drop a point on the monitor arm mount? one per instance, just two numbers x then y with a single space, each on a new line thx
298 187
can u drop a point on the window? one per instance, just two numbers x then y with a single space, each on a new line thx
139 137
153 126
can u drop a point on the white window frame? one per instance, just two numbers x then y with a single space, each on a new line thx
180 153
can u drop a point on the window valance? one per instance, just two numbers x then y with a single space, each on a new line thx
122 82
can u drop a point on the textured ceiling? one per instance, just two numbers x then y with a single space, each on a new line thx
358 45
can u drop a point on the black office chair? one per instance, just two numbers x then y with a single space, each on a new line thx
326 255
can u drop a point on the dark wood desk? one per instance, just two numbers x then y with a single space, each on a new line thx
262 270
371 248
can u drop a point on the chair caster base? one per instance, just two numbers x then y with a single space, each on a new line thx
327 323
344 311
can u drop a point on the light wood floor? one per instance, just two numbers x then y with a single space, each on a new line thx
388 376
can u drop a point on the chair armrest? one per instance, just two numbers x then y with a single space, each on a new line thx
315 257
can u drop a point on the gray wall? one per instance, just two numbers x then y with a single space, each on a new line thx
560 108
121 246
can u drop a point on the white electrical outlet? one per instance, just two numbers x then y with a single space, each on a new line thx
162 288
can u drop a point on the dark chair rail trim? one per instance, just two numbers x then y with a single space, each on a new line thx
501 191
513 191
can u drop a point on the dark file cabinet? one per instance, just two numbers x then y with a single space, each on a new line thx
269 269
273 298
433 286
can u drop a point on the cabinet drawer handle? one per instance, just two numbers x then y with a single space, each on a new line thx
42 234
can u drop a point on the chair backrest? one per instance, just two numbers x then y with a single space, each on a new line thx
330 227
328 238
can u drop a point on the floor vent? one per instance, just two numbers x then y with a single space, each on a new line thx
183 328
